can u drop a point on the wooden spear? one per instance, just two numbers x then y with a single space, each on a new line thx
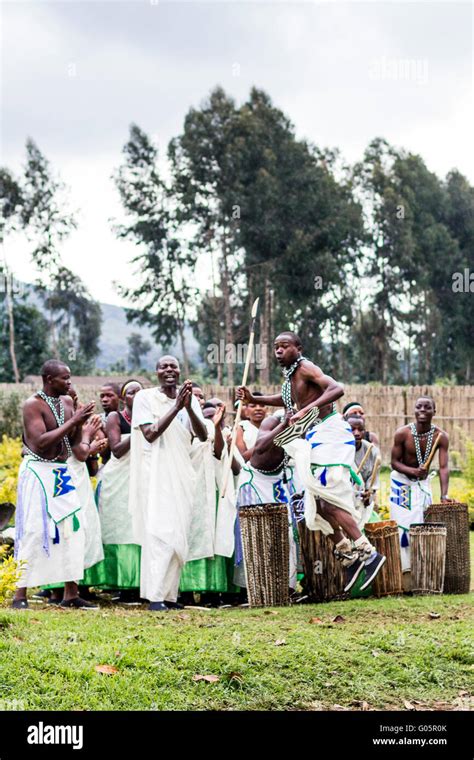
239 407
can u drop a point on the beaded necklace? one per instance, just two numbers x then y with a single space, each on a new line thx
59 417
416 437
286 387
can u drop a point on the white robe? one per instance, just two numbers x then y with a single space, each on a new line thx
115 518
408 501
46 541
162 494
325 465
93 549
203 526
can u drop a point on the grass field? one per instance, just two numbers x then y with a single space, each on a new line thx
395 653
400 653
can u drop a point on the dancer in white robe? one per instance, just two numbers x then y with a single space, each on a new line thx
162 495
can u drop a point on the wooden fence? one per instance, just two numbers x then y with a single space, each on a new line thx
386 407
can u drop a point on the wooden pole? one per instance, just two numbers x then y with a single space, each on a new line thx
239 407
377 464
369 449
432 452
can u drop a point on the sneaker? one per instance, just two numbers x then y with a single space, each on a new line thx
372 567
158 607
79 604
351 573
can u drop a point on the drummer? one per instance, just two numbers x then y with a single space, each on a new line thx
410 481
367 461
354 409
267 478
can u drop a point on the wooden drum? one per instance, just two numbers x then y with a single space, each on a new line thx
266 551
323 573
385 537
428 557
455 516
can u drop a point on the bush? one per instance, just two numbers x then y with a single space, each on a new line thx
10 414
10 460
10 571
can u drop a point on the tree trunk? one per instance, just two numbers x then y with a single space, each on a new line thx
183 349
11 326
265 332
229 332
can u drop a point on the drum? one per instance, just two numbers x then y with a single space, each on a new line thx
266 552
428 557
384 536
455 516
323 573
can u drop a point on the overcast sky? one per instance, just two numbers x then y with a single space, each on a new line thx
76 74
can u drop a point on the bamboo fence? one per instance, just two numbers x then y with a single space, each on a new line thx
386 407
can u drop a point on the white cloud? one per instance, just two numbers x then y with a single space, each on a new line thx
76 74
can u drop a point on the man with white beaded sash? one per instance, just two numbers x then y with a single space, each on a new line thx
49 530
410 486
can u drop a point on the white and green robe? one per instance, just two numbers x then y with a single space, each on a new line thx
50 535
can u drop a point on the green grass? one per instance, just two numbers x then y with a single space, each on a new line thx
384 652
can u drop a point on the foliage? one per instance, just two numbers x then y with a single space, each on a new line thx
31 339
38 205
10 572
10 460
10 414
165 290
137 348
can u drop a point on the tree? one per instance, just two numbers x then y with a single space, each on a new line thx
31 331
165 292
47 222
77 319
204 184
11 200
137 347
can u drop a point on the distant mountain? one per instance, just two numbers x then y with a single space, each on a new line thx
115 331
113 340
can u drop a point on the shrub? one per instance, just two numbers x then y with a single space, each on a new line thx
10 414
10 571
10 460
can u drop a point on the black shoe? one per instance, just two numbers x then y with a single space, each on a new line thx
44 594
128 596
158 607
78 603
174 605
351 574
87 594
20 604
372 567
